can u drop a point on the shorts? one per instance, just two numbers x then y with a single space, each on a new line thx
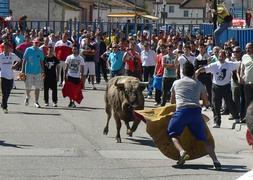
188 117
33 80
89 68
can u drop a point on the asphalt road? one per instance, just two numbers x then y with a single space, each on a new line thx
64 144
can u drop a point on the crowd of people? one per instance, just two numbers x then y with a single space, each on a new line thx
45 60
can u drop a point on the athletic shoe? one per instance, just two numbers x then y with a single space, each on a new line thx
46 104
70 104
73 105
54 105
216 126
26 101
37 105
156 104
183 158
5 111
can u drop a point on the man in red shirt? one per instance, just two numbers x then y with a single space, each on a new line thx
63 48
20 49
157 83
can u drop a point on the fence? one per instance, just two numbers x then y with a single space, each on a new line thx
70 26
242 35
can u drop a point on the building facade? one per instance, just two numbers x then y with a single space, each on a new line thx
52 10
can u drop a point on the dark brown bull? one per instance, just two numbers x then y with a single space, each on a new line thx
123 95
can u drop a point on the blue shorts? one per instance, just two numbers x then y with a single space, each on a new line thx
188 117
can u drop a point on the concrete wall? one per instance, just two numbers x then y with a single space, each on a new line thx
36 10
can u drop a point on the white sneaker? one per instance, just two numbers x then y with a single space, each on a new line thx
54 105
204 108
37 105
46 104
149 97
156 104
26 101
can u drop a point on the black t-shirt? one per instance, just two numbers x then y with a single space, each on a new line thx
50 67
89 58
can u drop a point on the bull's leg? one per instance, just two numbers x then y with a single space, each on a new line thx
135 125
118 125
108 110
129 133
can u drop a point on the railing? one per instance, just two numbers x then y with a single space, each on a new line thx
127 28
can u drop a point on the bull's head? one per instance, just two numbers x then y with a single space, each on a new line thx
132 90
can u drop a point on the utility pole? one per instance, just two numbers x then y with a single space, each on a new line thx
98 13
135 17
48 10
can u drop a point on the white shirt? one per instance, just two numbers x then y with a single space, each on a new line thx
247 176
182 60
148 58
247 61
6 63
222 71
75 63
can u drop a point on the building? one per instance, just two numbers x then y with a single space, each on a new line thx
52 10
103 8
180 11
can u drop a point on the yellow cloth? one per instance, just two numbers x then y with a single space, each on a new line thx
157 120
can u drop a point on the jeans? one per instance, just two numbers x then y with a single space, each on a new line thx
167 84
224 26
148 72
248 93
6 86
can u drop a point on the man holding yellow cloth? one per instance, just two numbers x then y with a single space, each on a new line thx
224 18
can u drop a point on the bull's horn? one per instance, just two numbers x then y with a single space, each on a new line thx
119 84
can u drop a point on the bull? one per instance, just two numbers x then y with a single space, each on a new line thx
123 95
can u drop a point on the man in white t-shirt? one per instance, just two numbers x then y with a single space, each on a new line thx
8 62
184 58
222 71
74 71
249 120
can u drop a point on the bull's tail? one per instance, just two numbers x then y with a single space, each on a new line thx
108 111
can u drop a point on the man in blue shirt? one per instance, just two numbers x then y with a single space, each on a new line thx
115 61
33 68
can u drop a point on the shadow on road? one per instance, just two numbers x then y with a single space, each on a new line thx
3 143
78 108
225 168
32 113
142 141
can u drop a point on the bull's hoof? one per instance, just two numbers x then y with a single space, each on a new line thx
129 133
118 140
105 132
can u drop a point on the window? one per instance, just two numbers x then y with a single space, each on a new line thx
171 9
186 13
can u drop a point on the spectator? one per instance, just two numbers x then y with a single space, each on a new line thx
8 61
51 65
169 63
221 71
246 74
63 48
249 120
33 68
